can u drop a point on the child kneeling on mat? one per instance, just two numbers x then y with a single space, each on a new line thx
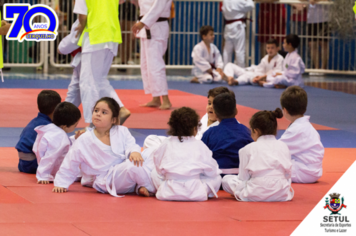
265 165
52 143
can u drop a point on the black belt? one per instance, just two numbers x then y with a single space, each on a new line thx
227 22
148 32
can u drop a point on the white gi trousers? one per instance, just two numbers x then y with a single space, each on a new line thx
240 74
235 44
153 67
73 94
283 80
207 78
94 83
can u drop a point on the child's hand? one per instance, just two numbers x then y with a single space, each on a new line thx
220 71
277 74
256 79
136 158
59 190
78 133
43 182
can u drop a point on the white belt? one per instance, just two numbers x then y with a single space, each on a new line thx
169 176
269 174
112 191
230 171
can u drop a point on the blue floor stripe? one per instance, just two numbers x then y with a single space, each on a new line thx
330 138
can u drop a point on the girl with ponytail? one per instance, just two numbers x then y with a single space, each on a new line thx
265 165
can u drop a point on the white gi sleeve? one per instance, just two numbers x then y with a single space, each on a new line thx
291 139
70 168
130 143
80 7
153 14
261 68
53 150
244 174
295 68
211 167
219 63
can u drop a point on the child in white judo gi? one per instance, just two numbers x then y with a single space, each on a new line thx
207 59
207 121
108 152
265 165
184 167
293 67
301 137
235 14
270 63
100 35
153 30
52 142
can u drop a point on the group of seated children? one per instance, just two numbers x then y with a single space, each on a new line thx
273 70
191 164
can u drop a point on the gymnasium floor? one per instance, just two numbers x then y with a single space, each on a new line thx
27 208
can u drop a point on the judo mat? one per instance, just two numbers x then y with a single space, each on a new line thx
27 208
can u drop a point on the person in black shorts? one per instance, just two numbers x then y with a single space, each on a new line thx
128 17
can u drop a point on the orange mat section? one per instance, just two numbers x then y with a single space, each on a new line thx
28 208
21 107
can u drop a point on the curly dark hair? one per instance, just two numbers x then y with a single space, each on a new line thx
182 122
266 121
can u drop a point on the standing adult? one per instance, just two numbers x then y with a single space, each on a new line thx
100 36
318 31
153 30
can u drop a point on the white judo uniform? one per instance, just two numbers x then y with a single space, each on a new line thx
153 67
306 149
96 63
51 146
113 171
185 171
235 13
67 46
265 172
246 75
203 61
154 141
293 68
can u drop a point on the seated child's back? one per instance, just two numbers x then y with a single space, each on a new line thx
52 142
184 167
47 100
301 137
226 139
265 165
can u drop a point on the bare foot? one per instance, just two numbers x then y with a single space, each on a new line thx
195 80
231 81
280 86
166 103
144 192
124 114
156 102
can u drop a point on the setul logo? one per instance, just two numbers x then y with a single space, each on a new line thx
23 27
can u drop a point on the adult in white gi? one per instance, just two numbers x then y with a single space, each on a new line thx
96 63
204 61
68 45
306 149
51 146
185 171
293 68
114 172
153 30
154 141
264 173
235 13
246 76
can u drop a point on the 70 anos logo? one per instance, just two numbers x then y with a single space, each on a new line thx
23 28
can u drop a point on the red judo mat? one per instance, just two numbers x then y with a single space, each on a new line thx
21 106
28 208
